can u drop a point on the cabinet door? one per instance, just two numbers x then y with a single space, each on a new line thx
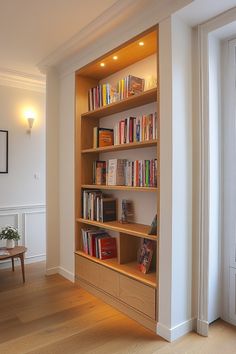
138 295
232 294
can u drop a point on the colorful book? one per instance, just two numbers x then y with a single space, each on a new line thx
107 248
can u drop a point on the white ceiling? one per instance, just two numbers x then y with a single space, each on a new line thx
31 29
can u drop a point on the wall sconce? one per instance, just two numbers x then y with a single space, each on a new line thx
30 124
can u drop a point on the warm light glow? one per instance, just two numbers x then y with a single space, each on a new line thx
115 57
102 64
29 115
141 44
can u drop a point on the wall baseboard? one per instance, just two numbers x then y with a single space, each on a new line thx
66 274
62 271
52 271
171 334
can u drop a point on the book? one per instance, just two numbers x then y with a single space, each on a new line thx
145 254
99 172
135 85
105 137
107 248
108 209
116 172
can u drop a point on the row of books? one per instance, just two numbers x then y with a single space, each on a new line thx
98 207
98 243
127 130
121 172
105 94
136 129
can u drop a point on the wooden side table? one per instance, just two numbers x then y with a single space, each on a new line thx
16 252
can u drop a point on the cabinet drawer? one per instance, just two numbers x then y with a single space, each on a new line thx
109 281
138 295
98 275
87 270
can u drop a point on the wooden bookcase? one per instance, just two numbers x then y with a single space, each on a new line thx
117 281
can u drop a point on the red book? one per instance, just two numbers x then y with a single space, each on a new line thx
107 248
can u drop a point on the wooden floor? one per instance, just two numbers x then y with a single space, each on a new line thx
49 315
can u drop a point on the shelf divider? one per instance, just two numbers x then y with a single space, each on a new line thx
129 146
138 230
123 105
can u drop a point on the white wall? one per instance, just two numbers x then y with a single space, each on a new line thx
22 189
181 173
214 182
52 172
66 170
26 152
175 302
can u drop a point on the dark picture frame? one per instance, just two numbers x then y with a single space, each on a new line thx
3 151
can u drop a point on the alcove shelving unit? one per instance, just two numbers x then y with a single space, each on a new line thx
118 281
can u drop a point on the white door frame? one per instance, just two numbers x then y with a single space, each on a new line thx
202 160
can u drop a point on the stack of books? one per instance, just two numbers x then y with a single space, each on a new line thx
136 129
105 94
98 243
98 207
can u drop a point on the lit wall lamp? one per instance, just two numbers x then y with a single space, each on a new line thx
30 123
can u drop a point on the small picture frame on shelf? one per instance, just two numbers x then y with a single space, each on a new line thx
3 151
127 211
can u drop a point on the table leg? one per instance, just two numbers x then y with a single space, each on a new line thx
22 266
12 263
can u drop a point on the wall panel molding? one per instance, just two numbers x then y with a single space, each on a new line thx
30 221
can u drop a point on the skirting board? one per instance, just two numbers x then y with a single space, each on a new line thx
119 305
62 271
171 334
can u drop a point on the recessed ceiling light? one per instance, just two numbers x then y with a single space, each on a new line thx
102 64
115 57
141 44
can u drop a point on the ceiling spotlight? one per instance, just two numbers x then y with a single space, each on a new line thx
115 57
102 64
141 44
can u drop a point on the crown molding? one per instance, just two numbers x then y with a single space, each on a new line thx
106 22
22 80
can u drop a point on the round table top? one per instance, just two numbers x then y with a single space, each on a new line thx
12 252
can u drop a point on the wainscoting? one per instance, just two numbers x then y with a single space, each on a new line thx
30 220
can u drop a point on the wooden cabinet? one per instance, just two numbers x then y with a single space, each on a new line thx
119 280
139 296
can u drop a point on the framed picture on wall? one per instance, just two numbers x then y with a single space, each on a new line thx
3 151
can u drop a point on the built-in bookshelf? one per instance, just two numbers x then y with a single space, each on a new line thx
118 280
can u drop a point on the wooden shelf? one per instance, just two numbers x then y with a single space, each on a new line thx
138 230
119 188
123 105
128 269
136 145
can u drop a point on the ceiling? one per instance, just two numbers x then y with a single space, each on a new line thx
32 30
